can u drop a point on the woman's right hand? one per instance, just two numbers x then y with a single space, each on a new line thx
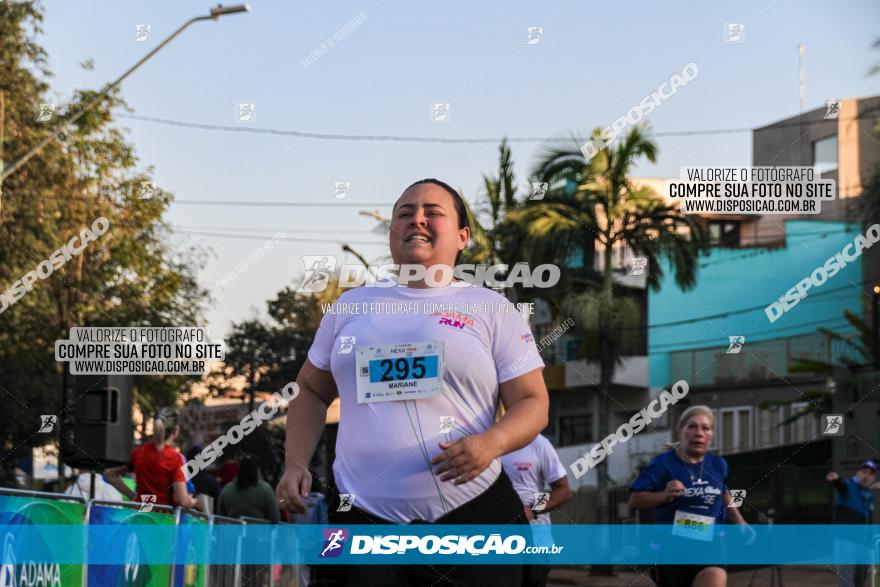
294 486
673 489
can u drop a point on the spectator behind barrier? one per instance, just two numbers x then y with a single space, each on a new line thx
248 495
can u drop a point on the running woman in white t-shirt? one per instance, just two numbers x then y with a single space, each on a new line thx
418 438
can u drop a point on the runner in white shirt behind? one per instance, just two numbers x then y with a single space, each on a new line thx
539 478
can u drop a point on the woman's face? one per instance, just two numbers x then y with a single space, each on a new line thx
696 434
424 227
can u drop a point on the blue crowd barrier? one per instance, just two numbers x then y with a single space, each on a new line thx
57 539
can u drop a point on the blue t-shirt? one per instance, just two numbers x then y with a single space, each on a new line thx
705 484
858 499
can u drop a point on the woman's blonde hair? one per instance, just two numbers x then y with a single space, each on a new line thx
694 411
685 418
164 425
158 431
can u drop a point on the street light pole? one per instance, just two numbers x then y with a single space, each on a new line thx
215 14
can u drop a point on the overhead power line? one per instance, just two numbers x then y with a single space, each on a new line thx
240 128
283 204
337 241
269 229
745 310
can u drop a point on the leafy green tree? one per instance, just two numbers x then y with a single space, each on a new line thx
130 276
270 353
596 203
251 352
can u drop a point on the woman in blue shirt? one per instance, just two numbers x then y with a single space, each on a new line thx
687 488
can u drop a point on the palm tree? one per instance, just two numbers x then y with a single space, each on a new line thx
500 192
596 204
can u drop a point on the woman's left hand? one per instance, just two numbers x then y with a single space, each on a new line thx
465 458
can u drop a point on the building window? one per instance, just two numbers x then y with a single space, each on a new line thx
683 230
736 429
805 428
770 433
716 423
825 154
576 429
571 349
724 233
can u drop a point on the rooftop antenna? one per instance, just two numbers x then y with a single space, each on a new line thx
802 80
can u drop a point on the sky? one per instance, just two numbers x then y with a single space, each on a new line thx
593 62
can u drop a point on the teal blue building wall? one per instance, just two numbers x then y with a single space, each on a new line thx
731 280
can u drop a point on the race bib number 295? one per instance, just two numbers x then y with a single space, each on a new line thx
399 371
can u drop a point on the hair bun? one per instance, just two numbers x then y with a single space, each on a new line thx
168 416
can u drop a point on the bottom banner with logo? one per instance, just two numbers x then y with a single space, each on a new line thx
141 546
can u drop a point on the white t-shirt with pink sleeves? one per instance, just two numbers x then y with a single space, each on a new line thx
532 469
383 450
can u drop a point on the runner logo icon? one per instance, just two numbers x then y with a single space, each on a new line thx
346 345
736 344
541 501
737 497
346 500
318 271
833 425
333 540
147 502
47 423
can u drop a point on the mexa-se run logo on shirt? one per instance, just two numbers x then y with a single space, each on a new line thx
455 320
707 493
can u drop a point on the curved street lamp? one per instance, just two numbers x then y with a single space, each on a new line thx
215 14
